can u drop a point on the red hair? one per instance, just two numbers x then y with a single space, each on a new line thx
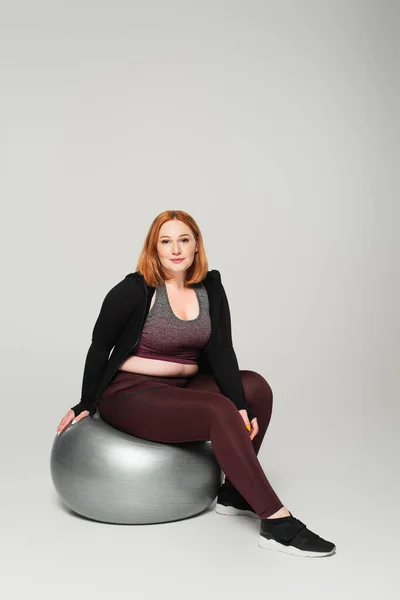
149 264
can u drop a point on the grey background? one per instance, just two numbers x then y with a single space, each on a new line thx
275 124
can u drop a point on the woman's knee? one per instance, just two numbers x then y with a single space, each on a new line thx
220 407
256 388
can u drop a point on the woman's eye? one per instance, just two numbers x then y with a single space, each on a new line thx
183 240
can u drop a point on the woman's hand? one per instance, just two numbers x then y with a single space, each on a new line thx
254 424
68 418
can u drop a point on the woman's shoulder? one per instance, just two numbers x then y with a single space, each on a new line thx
214 274
128 288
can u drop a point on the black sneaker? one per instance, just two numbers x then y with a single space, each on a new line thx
288 534
230 502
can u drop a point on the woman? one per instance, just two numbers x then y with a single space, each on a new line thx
173 376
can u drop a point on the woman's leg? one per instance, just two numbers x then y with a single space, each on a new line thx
153 409
258 395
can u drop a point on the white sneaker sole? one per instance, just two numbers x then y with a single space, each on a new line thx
231 511
276 546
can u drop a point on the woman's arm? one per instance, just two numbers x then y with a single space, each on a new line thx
222 357
116 310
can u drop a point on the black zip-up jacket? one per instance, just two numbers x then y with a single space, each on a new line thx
119 326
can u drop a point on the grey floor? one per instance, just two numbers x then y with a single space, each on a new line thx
338 490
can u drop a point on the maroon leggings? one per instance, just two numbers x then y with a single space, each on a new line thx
184 409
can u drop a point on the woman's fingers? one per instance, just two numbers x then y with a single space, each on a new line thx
65 421
255 429
70 417
243 414
81 416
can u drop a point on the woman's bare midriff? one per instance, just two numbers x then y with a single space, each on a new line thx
161 368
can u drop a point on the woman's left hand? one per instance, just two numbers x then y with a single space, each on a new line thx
254 424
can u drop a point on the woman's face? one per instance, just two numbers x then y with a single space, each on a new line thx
176 241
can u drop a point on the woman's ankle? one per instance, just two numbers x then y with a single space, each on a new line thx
282 512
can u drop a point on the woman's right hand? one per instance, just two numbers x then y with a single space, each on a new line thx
69 417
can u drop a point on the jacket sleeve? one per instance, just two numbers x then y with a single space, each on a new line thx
116 310
222 358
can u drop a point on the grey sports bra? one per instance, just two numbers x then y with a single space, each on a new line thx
167 337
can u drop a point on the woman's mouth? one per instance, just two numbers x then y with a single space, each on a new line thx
177 260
